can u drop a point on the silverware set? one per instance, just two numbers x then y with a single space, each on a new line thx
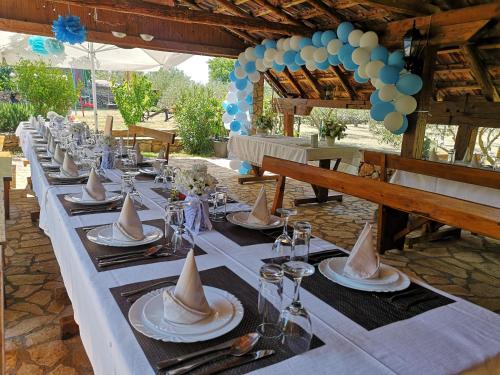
95 209
157 251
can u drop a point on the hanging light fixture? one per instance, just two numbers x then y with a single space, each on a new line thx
118 34
146 37
413 44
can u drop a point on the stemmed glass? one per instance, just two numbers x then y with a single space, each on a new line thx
159 167
301 240
219 201
178 238
282 246
295 321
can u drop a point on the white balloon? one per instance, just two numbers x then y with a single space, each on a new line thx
259 64
243 106
320 54
227 118
279 44
369 40
227 125
362 71
361 56
250 54
269 54
254 77
387 93
373 68
295 42
239 72
393 121
241 95
286 44
232 87
278 58
405 104
354 37
235 164
334 46
241 116
232 97
377 83
232 134
311 66
268 63
242 58
307 53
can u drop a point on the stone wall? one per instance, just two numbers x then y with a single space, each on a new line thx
11 141
154 145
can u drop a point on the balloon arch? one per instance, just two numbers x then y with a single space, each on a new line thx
356 50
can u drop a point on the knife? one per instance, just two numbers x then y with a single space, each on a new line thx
247 358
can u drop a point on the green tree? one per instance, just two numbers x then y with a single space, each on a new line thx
170 83
219 69
6 81
134 97
47 89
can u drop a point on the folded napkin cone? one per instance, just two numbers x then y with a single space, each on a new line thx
137 149
260 212
59 154
186 304
69 167
94 190
129 226
363 262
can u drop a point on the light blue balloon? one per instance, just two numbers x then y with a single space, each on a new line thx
299 60
289 57
389 74
259 51
244 132
232 109
379 111
235 126
278 67
349 64
225 104
334 60
343 31
270 44
345 51
327 37
250 67
246 165
316 39
305 42
403 127
379 53
409 84
294 67
237 64
244 170
249 99
241 84
232 76
359 79
374 98
323 65
396 58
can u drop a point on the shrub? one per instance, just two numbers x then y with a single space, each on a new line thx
219 69
12 114
169 82
198 114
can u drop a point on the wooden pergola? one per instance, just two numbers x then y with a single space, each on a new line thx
460 61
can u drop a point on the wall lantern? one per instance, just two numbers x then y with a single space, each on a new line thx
413 44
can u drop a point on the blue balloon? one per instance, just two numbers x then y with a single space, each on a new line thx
374 98
270 43
244 170
294 67
235 126
246 165
241 84
389 74
249 99
323 65
237 64
327 37
409 84
305 42
334 60
403 127
379 53
232 109
359 79
299 60
225 104
250 67
232 76
278 67
244 132
343 31
289 57
345 50
380 110
259 50
316 39
349 64
396 58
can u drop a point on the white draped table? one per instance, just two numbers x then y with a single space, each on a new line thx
444 340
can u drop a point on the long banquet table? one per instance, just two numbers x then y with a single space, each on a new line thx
443 340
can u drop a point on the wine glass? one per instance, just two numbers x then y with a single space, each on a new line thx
180 239
301 240
282 246
295 321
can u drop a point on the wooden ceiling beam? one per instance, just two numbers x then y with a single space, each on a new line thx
326 10
231 8
294 83
278 12
480 73
186 16
410 7
344 82
275 84
318 89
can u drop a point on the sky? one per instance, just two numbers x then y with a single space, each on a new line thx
196 68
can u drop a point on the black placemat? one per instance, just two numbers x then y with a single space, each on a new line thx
55 181
166 193
223 278
94 250
369 309
247 237
68 206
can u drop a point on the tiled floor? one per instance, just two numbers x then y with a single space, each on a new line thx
469 268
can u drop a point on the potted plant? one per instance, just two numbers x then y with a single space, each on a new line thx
333 129
264 124
220 140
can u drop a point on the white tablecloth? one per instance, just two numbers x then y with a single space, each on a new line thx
444 340
474 193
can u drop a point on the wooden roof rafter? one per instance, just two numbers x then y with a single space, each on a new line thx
344 82
295 84
481 74
275 83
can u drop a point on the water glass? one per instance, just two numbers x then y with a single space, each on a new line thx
301 240
178 238
132 157
451 156
282 246
128 187
219 201
270 300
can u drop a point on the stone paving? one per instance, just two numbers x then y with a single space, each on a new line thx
469 268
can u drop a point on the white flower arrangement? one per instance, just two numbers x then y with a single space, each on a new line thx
77 127
195 181
51 115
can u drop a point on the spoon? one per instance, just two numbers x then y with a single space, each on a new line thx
240 346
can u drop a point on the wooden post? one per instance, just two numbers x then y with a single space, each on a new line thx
288 119
258 100
465 141
413 139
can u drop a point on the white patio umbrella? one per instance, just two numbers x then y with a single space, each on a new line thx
93 56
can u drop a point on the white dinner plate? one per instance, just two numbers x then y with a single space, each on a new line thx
402 283
50 164
146 316
148 171
387 274
103 235
77 199
61 176
240 218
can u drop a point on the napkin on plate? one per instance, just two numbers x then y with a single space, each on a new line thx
363 262
129 226
476 161
58 154
94 190
433 156
137 149
69 167
186 303
260 212
51 145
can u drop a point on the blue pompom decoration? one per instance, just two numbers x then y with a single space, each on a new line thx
232 76
327 37
379 53
343 31
54 47
396 58
241 84
409 84
403 127
359 79
323 65
289 57
270 43
380 110
294 67
316 39
278 67
235 126
299 60
259 51
68 29
389 74
334 60
250 67
37 45
374 98
232 109
305 42
345 51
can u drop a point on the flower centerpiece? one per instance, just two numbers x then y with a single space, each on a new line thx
196 184
264 124
77 130
333 128
107 143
